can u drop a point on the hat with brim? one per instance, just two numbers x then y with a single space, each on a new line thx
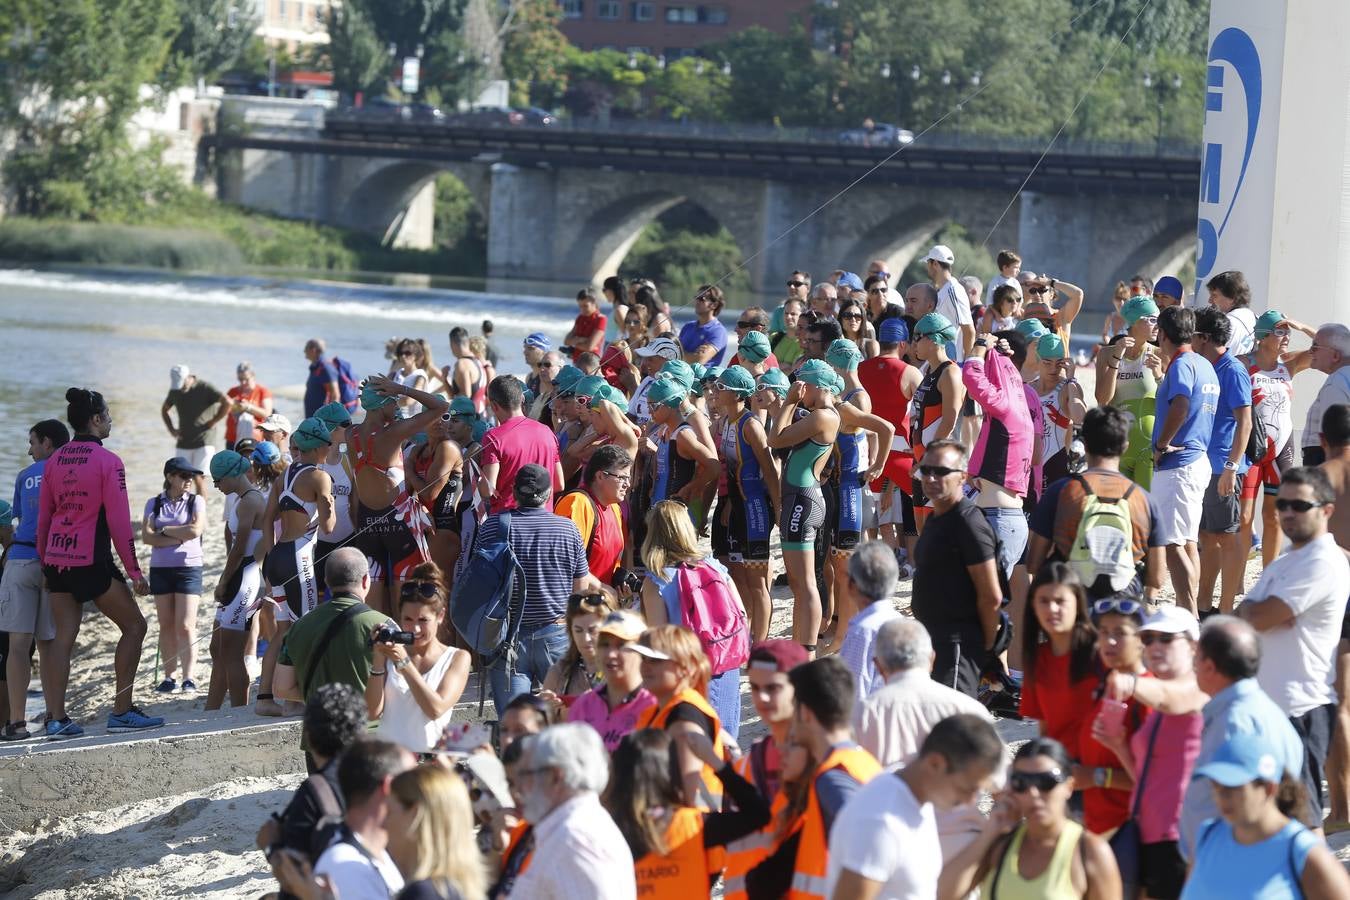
624 625
1172 619
275 422
1241 760
642 649
663 347
181 464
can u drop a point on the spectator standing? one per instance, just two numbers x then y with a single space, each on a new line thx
578 850
597 510
172 528
872 575
1221 515
952 301
199 407
824 301
579 668
754 320
588 329
1298 606
784 343
1330 354
613 707
956 589
885 842
1009 264
1128 372
1230 294
704 340
1059 655
1336 442
324 384
252 404
1183 424
516 441
431 836
357 861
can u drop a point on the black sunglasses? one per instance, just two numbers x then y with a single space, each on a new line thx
587 601
747 324
1298 506
938 471
1021 782
1153 637
417 589
798 283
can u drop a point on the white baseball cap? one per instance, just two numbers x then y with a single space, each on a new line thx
940 253
178 376
1172 619
663 347
276 422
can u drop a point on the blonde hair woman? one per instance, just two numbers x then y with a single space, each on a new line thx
431 836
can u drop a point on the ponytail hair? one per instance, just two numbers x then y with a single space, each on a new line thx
82 405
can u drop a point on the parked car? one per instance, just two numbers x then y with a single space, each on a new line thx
877 134
502 116
385 110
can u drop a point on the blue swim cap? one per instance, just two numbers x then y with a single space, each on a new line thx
266 453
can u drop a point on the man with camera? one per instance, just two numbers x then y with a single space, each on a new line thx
333 643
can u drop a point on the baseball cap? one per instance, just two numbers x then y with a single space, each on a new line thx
566 378
1241 760
1169 285
539 341
754 347
843 354
667 392
227 464
624 625
1268 322
311 434
777 655
736 379
851 281
935 326
276 422
818 372
533 480
940 253
893 331
266 453
334 415
774 380
463 406
1136 308
642 648
680 371
664 347
1031 329
1049 346
181 464
1172 619
177 376
588 385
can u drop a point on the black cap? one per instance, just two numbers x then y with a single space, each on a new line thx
533 482
180 464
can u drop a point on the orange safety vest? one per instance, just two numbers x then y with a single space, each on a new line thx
687 869
751 850
518 833
808 877
657 717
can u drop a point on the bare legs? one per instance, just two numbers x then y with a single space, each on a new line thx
806 610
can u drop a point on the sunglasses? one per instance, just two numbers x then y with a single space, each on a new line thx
418 589
406 353
871 291
546 365
1122 605
1152 637
1298 506
587 601
797 283
1044 782
939 471
850 315
1038 290
747 324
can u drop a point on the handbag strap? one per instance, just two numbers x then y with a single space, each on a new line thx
1143 774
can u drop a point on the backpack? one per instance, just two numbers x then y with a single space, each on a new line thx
487 598
1103 548
349 388
1257 442
709 610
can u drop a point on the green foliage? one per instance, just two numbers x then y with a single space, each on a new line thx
359 61
45 241
458 221
212 38
534 52
971 259
683 260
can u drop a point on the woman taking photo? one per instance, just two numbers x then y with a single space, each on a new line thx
172 529
413 689
240 589
1128 372
671 546
675 670
676 846
1059 655
612 707
579 669
1029 846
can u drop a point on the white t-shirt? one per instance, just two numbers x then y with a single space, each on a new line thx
997 282
1336 389
1298 664
357 876
953 303
1243 321
884 834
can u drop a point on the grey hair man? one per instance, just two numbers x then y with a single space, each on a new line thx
1329 354
872 576
825 299
579 851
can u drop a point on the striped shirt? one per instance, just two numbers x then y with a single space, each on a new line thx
551 554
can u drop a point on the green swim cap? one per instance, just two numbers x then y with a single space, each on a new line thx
311 434
700 371
334 415
1268 322
935 326
667 392
738 380
588 385
711 373
1031 329
774 380
566 378
463 406
754 347
227 464
843 354
372 400
681 371
6 514
480 428
1136 308
1049 346
818 372
609 393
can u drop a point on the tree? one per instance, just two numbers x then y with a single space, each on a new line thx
534 52
1181 25
359 61
211 39
774 79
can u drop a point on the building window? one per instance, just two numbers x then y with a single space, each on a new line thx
713 15
682 15
572 9
644 12
607 9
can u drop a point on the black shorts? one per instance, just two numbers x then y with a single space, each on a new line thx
176 580
734 541
85 583
958 655
1221 515
387 543
1314 728
289 569
1162 871
801 518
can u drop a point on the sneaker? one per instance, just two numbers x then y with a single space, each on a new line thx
133 720
62 729
189 686
167 686
15 731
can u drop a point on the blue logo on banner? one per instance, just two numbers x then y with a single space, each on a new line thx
1235 47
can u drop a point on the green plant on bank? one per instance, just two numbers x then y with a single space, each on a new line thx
680 260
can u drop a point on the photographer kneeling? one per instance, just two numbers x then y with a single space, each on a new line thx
416 680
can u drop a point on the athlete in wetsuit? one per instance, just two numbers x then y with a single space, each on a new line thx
1128 373
240 589
390 523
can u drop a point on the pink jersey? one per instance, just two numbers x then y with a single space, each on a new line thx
83 511
612 725
1003 450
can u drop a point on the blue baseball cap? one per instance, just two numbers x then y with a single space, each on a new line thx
851 281
539 341
893 331
1241 760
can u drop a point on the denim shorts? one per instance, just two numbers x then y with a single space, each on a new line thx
176 580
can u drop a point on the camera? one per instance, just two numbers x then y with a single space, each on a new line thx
388 633
627 579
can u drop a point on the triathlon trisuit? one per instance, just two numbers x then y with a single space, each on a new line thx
745 537
289 566
851 463
1136 390
1055 434
925 415
383 535
1273 401
478 386
244 589
673 471
443 503
803 503
342 503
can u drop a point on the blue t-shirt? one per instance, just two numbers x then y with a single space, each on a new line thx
1190 375
1269 870
694 335
322 372
26 488
1235 392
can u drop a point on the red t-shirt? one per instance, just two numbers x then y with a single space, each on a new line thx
256 397
1058 704
770 362
604 553
513 445
1105 809
586 326
881 377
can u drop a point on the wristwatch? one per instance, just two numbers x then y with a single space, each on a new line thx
981 342
1229 465
1099 776
400 664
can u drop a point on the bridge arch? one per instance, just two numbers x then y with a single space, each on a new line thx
898 238
1163 253
385 192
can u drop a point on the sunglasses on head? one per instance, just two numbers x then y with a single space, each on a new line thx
938 471
417 589
1021 782
1122 605
587 601
1298 506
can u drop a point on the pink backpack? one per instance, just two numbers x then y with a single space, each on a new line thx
713 614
